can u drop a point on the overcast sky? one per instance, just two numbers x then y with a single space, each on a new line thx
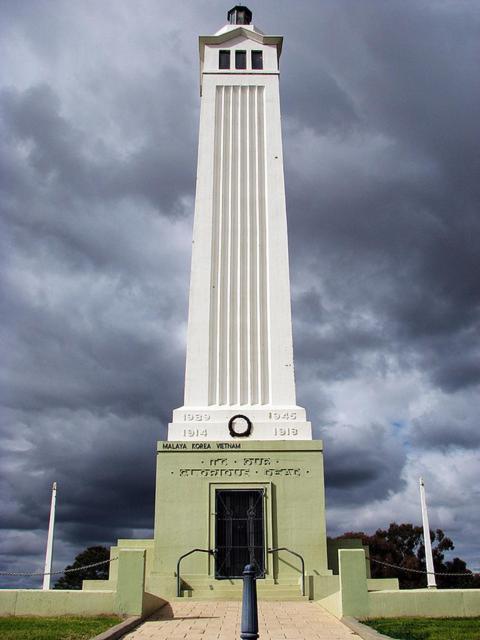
99 105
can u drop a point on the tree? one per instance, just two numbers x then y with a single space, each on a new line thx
91 555
402 545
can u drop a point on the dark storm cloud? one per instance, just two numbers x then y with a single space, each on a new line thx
359 462
77 167
93 310
98 127
452 423
397 208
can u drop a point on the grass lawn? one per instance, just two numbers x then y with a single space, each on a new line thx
428 628
64 628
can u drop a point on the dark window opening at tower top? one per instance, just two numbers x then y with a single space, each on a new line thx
239 15
224 59
257 59
240 59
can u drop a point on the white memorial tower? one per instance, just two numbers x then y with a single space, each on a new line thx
239 479
239 379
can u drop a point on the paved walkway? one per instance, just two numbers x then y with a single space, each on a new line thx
221 621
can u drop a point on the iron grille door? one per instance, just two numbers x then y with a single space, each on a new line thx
239 532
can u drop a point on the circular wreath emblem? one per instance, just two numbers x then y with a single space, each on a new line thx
240 426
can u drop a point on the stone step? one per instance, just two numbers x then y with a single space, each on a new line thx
201 583
230 588
283 596
224 591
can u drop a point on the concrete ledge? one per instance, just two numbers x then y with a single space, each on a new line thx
332 603
365 632
425 603
24 602
382 584
119 629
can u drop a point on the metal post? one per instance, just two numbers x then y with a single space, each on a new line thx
49 552
249 604
185 555
294 553
431 582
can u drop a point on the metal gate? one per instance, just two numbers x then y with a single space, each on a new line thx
239 532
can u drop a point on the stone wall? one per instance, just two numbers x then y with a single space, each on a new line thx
128 597
359 597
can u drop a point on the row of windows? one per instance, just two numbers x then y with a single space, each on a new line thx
240 59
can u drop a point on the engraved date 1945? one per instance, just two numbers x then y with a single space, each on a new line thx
282 415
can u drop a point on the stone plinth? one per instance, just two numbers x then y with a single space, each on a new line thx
290 473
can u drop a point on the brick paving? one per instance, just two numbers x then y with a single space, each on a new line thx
221 621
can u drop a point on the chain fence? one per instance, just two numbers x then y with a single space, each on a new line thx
97 564
56 573
431 573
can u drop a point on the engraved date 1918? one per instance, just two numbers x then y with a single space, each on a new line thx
285 431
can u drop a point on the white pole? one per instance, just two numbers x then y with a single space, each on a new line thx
51 526
431 583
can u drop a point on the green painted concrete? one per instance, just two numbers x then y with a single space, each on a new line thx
188 474
382 584
333 603
355 595
24 602
128 597
353 582
446 603
130 581
333 547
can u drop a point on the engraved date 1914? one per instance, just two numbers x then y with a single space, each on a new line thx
195 433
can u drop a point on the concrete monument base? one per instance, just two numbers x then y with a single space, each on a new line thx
194 479
284 480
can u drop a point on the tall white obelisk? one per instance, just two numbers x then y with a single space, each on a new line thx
239 378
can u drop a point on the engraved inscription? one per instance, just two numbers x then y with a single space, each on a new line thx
196 417
285 431
195 433
257 462
283 472
215 473
219 462
283 415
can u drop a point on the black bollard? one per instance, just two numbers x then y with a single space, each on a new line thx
249 604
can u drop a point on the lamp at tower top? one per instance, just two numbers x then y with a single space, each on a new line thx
239 15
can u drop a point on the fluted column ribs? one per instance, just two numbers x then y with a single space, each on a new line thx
239 355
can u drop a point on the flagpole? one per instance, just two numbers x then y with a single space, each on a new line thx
431 583
49 552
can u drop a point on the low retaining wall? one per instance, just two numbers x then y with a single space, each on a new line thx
356 598
128 598
24 602
445 603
